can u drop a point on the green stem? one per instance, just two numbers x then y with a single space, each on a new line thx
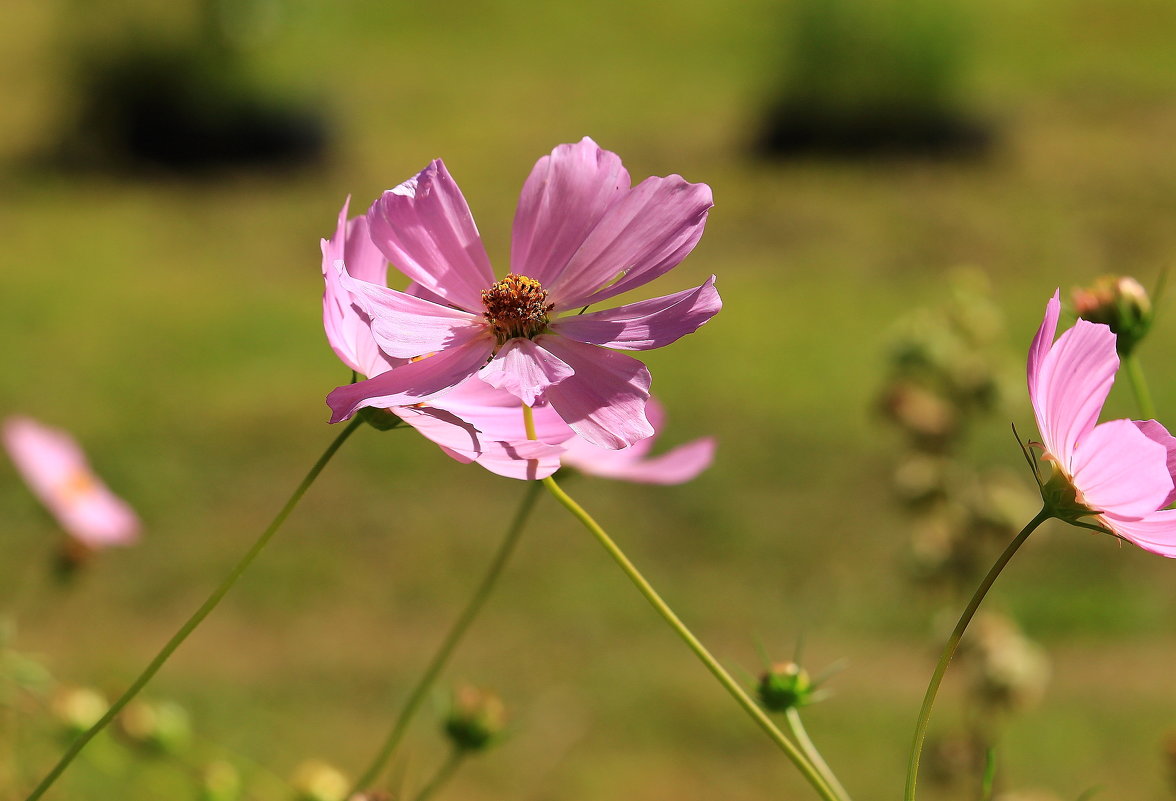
444 774
954 640
729 684
796 727
1139 386
417 697
194 621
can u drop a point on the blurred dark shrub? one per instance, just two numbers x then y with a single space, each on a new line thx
871 77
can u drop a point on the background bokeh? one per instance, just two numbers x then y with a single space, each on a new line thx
171 320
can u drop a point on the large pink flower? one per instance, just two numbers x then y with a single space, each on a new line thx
57 472
582 235
350 336
1120 471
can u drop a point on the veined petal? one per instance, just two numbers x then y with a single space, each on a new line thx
1157 433
563 199
498 415
1042 342
604 401
347 328
1119 470
424 227
525 370
641 236
413 382
1155 532
1072 385
676 466
526 460
647 324
405 326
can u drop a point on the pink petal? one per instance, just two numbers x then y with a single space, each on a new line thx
676 466
498 415
414 382
347 328
646 324
1120 471
1155 532
1072 385
525 370
425 228
604 401
563 199
1043 341
523 460
1157 433
57 472
405 326
643 235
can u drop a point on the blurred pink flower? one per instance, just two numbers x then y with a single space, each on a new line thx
349 334
582 235
56 470
1120 471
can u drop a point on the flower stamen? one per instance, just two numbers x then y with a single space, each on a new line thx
516 306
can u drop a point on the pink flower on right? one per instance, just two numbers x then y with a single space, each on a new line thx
1120 471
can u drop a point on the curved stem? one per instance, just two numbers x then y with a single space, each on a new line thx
444 774
417 697
954 640
729 684
194 621
796 727
1139 386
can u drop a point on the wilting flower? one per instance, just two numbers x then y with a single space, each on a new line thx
1121 471
350 336
581 236
57 472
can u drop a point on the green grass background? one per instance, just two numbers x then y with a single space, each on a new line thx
174 327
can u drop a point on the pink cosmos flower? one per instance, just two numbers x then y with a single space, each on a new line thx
349 333
1120 471
582 235
57 472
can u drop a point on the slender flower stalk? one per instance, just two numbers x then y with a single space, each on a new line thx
443 774
810 773
1143 399
195 620
449 644
953 642
796 728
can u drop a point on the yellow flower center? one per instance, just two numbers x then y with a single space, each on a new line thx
516 306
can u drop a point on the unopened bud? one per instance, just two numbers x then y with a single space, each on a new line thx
220 781
784 686
79 708
162 727
1121 303
315 780
476 719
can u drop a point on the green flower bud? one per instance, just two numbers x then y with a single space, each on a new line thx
315 780
476 719
162 727
379 419
1122 304
79 708
220 781
786 685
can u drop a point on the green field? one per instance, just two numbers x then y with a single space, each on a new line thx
175 327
